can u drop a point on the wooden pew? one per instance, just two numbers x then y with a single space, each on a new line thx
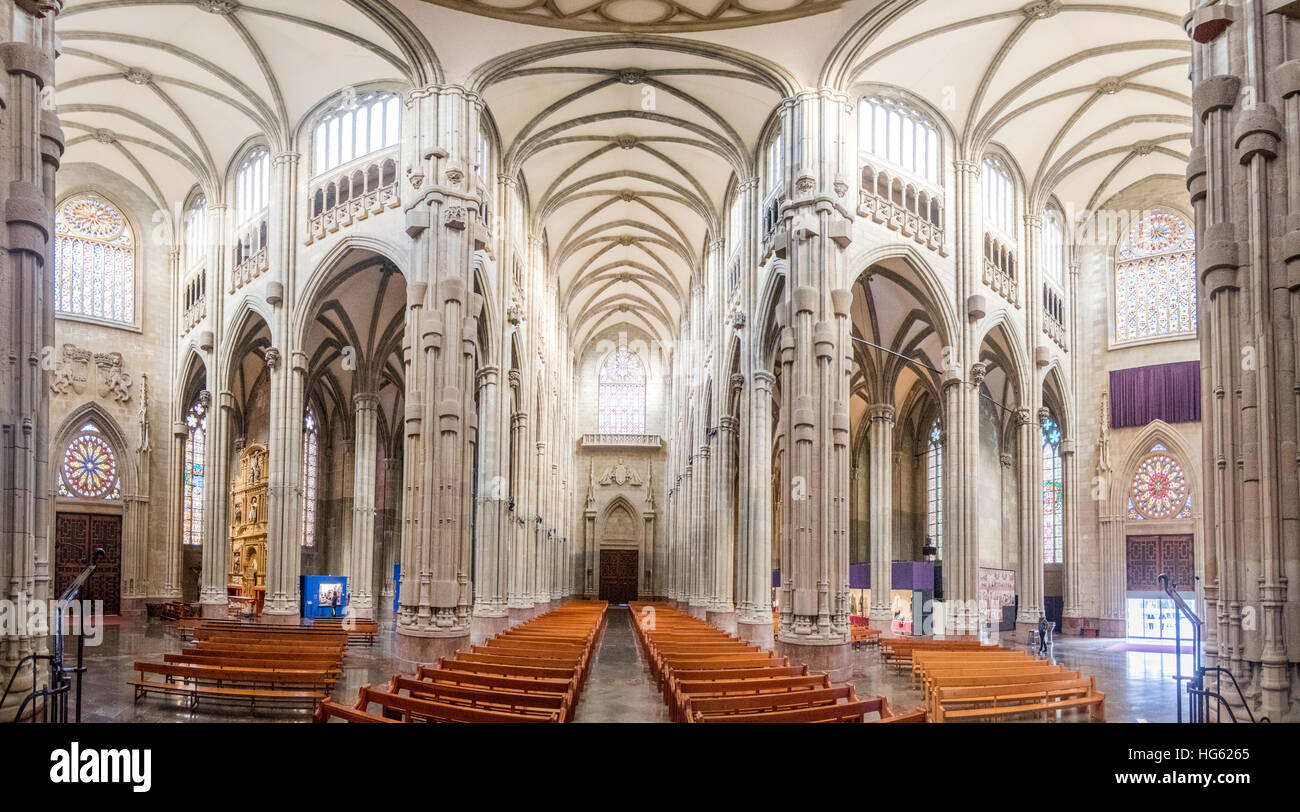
408 709
1014 699
328 709
485 698
267 687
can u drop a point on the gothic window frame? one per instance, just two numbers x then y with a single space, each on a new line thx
195 450
310 476
1054 513
252 185
998 200
88 447
1182 277
332 148
884 137
1053 246
606 388
1181 510
934 495
125 239
774 163
195 231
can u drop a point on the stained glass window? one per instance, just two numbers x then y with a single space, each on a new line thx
900 134
89 469
1053 494
196 446
94 260
1155 279
622 394
310 466
361 124
1159 489
999 196
934 488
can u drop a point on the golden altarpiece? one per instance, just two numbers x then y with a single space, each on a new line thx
248 495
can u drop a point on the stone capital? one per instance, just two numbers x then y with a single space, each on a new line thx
881 411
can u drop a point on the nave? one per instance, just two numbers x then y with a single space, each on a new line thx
620 688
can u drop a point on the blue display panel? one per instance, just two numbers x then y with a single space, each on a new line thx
324 595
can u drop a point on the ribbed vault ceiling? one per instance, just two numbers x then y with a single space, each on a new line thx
164 92
627 153
627 144
1088 98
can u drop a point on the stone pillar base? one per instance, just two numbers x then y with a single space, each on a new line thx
761 633
835 659
212 611
884 624
134 607
428 650
698 610
282 620
367 613
541 607
726 621
483 627
518 614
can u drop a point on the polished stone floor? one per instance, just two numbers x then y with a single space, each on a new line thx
1139 685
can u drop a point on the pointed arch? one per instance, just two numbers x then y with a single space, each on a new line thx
110 431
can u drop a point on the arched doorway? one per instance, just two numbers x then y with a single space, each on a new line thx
620 544
90 509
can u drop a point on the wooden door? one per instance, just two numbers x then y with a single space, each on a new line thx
76 537
618 570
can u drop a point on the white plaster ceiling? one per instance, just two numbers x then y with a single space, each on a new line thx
1086 97
164 92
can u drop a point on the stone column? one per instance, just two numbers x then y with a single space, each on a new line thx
391 509
1073 596
703 535
519 599
34 145
1029 441
754 619
365 459
492 551
722 606
816 218
216 504
442 124
173 561
288 367
1243 178
880 435
284 511
961 382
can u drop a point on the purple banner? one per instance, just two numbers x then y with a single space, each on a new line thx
1168 392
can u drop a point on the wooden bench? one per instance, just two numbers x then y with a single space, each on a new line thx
1014 699
358 630
486 698
327 709
849 712
253 686
695 708
408 709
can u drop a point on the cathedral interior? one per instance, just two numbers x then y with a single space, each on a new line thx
823 329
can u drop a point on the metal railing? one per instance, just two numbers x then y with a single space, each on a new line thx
49 702
1198 695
